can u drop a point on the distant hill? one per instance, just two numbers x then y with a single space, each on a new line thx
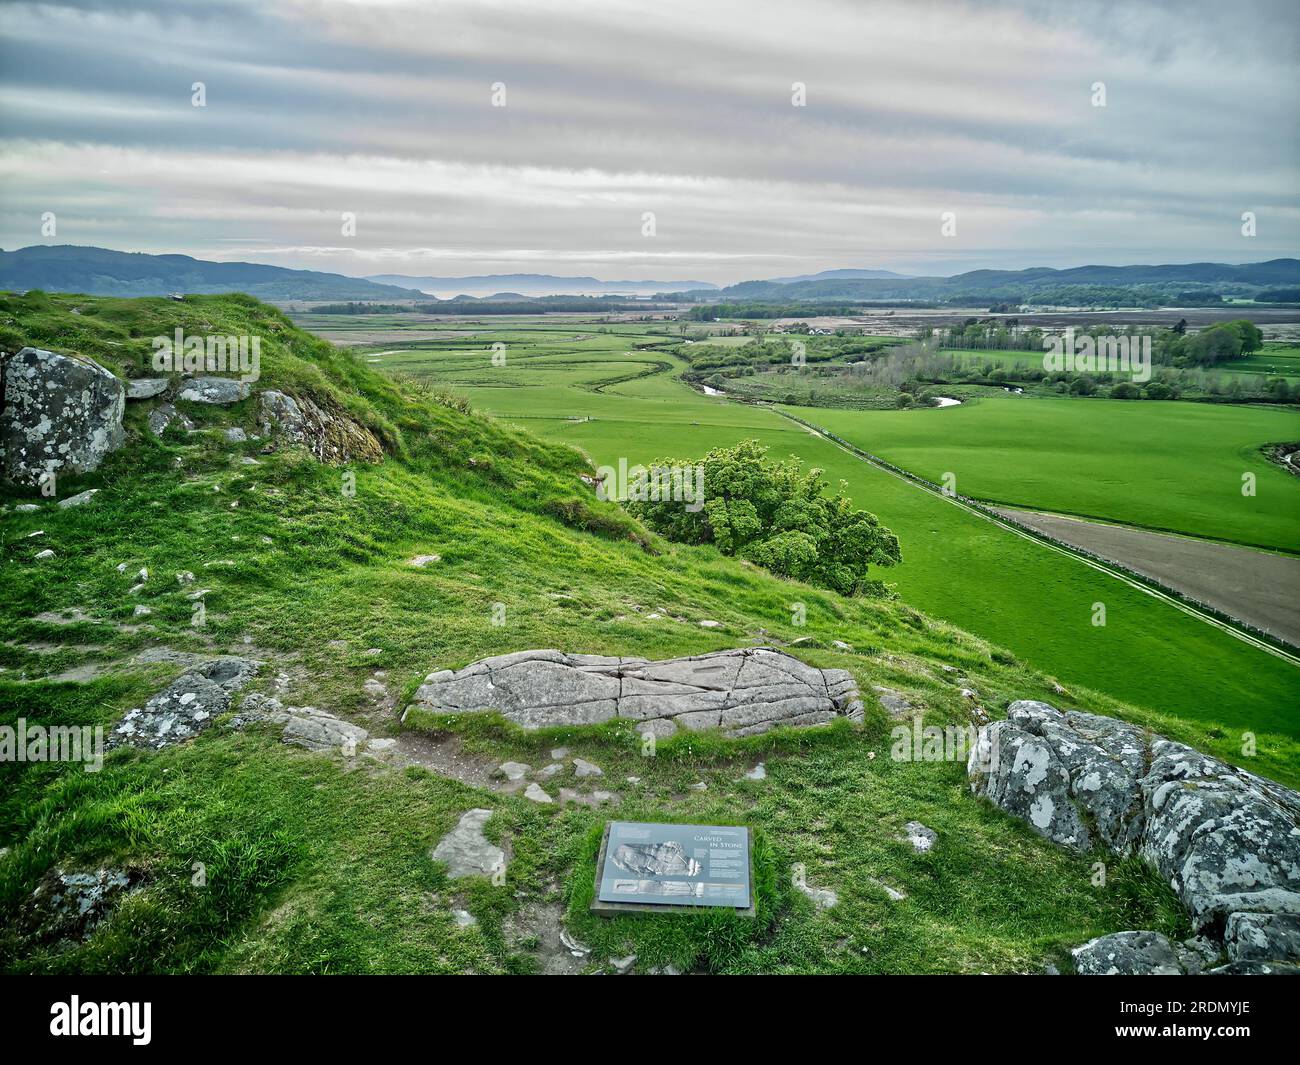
984 284
102 272
534 285
838 275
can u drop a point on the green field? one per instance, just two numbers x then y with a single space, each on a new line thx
611 401
1175 466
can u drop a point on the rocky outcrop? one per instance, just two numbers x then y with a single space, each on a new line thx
332 437
742 692
62 414
185 707
1227 841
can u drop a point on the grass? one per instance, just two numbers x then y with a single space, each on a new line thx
320 863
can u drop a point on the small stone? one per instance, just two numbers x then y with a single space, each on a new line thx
185 578
921 838
841 645
142 611
550 770
699 785
537 794
143 575
574 946
121 567
464 919
420 561
759 772
895 895
583 768
513 771
710 624
42 555
26 508
79 498
559 754
235 435
622 966
634 780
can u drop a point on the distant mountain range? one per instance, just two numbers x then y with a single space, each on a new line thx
516 285
838 275
839 284
101 272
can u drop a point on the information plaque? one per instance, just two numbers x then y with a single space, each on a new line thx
656 867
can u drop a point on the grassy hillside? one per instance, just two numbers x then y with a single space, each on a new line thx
320 863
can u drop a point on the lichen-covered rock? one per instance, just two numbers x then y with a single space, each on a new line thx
62 414
742 692
185 707
331 436
1263 937
70 903
1225 840
1128 954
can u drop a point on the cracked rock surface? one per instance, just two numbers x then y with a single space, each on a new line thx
743 692
1226 841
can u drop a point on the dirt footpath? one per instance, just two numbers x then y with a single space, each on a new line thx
1256 587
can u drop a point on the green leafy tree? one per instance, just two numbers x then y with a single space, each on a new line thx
778 517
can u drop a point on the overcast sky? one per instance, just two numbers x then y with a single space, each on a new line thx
384 108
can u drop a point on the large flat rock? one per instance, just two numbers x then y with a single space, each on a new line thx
743 692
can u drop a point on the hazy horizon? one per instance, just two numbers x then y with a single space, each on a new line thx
387 111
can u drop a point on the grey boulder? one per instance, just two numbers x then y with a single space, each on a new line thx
146 387
743 692
220 391
62 414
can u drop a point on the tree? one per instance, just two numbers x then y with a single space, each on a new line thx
778 517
